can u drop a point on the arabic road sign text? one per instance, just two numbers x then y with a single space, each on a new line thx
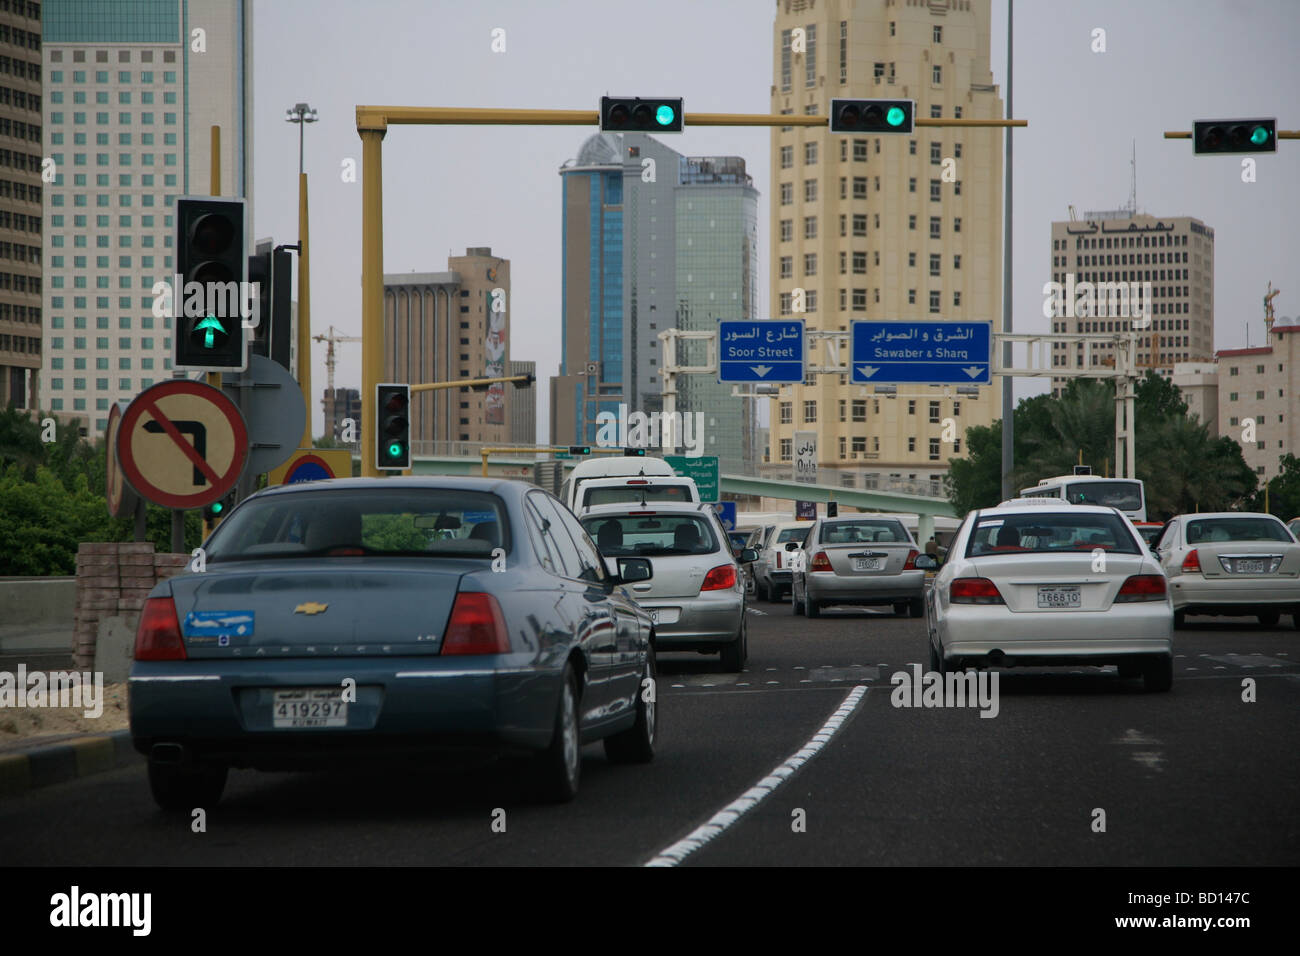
767 351
930 353
702 470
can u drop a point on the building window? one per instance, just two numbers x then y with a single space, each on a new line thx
936 190
810 227
956 224
859 409
787 230
956 299
934 264
859 187
934 449
785 303
810 264
810 154
936 76
936 229
860 151
911 222
859 263
956 262
938 34
859 299
859 224
911 444
787 193
809 412
934 301
936 154
911 184
911 259
911 297
786 445
810 190
787 157
787 267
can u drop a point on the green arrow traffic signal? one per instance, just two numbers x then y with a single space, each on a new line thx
209 326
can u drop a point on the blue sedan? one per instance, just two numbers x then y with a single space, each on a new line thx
355 618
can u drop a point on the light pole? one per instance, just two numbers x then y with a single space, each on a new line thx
302 114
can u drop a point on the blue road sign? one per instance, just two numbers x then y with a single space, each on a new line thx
930 353
726 514
765 351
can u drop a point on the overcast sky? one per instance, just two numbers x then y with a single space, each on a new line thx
1167 63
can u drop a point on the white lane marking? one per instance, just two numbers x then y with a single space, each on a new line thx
754 610
674 854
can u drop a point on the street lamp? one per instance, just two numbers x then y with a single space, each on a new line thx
300 113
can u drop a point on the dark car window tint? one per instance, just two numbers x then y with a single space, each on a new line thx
997 535
617 495
855 532
650 534
1219 530
546 552
593 568
559 538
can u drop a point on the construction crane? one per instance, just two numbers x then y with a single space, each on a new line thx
331 338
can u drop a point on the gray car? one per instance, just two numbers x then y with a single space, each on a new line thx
859 560
355 618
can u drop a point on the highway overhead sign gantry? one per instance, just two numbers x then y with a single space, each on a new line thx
921 352
182 444
770 351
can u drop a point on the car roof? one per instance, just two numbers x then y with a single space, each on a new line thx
505 487
616 466
1230 514
1063 506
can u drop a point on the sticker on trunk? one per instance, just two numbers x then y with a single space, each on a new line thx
217 627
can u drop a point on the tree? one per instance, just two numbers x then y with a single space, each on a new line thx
1283 491
20 441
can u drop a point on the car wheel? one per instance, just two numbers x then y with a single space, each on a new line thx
1130 669
637 743
735 653
900 609
811 607
1269 618
1158 674
765 592
177 787
794 600
1180 620
917 607
936 665
557 770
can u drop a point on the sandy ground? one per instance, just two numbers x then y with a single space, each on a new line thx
26 725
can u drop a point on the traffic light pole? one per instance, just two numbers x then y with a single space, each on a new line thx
472 382
373 123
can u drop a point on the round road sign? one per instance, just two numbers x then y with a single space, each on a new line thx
121 499
307 468
182 444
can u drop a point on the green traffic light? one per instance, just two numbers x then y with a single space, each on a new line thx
665 115
895 116
394 450
209 327
1259 135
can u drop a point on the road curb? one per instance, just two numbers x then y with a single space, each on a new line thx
42 765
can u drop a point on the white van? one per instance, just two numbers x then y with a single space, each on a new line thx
648 488
613 466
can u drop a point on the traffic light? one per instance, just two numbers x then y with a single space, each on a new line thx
218 509
633 114
272 270
212 271
832 509
1234 136
579 449
634 452
871 116
529 380
393 427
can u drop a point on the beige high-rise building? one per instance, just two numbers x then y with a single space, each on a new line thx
871 228
446 326
1105 264
1259 399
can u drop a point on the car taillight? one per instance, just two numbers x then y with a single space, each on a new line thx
158 637
723 576
820 562
1142 587
910 563
974 591
778 559
1192 562
476 626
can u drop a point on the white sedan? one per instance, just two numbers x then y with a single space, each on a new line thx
1233 563
1030 585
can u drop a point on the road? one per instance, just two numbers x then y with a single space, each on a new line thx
1192 777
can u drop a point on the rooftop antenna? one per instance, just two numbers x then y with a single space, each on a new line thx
1133 183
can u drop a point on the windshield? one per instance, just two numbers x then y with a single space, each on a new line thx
1211 530
854 532
631 494
1124 495
627 536
340 522
1055 531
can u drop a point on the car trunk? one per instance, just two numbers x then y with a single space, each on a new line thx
863 560
320 608
1241 560
1020 576
675 576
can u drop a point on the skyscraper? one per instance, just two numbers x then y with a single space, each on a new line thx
133 90
653 240
901 226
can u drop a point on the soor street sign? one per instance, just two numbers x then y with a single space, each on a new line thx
767 351
312 464
276 413
121 498
702 470
929 353
182 444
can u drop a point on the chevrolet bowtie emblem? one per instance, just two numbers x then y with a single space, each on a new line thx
311 607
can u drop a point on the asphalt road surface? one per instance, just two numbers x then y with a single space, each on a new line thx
1196 776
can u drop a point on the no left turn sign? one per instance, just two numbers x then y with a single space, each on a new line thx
182 444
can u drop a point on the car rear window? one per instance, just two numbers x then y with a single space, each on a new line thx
344 522
1212 530
1050 532
854 532
626 536
791 534
630 494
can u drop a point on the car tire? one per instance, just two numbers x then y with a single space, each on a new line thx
1269 618
735 654
794 600
637 743
558 769
1130 669
936 662
765 591
901 608
180 788
1158 674
811 608
916 606
1180 620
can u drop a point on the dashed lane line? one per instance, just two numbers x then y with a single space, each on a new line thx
728 815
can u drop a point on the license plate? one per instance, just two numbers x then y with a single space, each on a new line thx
1246 566
1058 597
664 615
305 707
867 564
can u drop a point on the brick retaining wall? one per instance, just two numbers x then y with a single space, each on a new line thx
113 579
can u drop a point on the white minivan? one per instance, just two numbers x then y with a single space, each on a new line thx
614 466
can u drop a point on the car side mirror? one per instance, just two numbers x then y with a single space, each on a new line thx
748 555
926 562
632 570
